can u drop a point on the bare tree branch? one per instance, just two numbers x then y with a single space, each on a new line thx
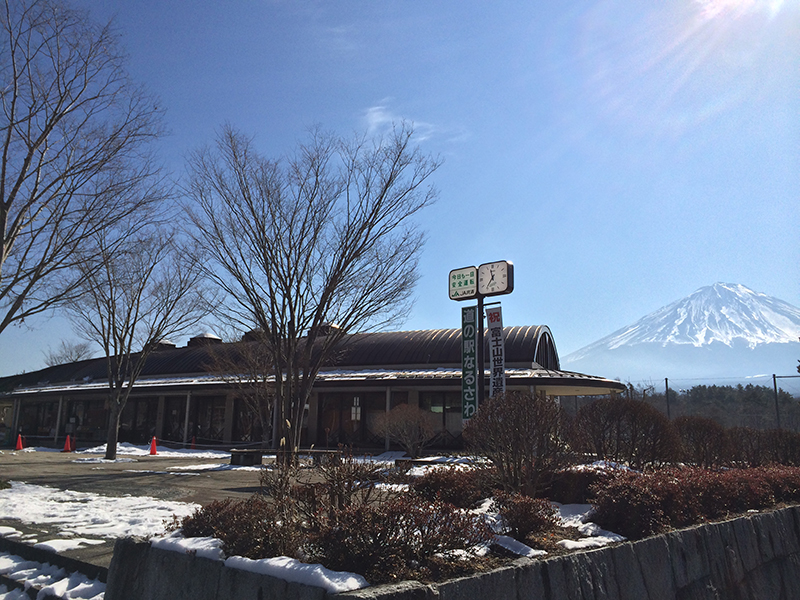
326 235
68 352
74 139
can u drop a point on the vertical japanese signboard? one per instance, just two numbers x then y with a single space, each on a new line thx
469 361
497 351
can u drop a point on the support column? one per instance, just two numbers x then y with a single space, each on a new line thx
15 419
58 420
388 408
186 418
227 432
159 429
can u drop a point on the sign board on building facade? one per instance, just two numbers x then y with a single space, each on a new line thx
469 361
497 351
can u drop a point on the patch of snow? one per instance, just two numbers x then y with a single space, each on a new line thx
175 473
9 532
206 547
128 449
516 547
217 467
52 580
573 515
103 460
14 594
293 570
392 487
67 544
601 465
86 514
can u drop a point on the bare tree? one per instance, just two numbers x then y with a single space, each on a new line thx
409 426
323 236
68 352
143 291
523 435
247 367
74 139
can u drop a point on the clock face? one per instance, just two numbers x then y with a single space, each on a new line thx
495 278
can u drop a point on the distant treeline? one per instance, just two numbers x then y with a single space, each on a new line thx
731 406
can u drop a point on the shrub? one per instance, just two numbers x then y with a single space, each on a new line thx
246 527
409 426
704 442
783 447
320 493
625 431
523 515
461 487
571 486
748 446
388 541
523 436
637 505
625 506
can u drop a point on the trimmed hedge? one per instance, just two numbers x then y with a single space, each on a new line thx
461 487
637 505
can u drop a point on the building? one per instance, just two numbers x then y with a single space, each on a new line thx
181 396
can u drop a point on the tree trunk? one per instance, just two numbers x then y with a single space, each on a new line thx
113 430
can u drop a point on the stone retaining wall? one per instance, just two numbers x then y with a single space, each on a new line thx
756 557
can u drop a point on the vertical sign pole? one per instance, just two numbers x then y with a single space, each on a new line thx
481 358
497 359
469 362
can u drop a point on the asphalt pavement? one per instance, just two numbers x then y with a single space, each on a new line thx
144 476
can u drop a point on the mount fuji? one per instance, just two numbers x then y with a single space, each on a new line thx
719 333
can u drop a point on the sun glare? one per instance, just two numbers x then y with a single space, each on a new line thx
717 8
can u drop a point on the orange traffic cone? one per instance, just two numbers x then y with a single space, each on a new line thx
20 445
153 447
67 445
193 441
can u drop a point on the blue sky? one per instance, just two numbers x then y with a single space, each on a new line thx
621 153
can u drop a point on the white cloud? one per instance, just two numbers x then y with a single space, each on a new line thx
381 118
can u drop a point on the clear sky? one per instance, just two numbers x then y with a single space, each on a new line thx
621 153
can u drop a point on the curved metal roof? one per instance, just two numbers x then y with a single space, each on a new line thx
526 347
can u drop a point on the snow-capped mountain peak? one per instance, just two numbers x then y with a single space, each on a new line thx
724 312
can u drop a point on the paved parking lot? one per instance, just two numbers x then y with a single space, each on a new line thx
160 477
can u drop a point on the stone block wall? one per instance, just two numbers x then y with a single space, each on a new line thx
755 557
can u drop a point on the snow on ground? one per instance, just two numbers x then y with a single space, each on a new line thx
14 594
127 449
215 467
79 514
51 580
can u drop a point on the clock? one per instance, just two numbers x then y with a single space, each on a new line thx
496 278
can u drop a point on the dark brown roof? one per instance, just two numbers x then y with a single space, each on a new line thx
436 347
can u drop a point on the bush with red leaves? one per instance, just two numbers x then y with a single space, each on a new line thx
523 515
246 527
462 487
388 541
640 504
